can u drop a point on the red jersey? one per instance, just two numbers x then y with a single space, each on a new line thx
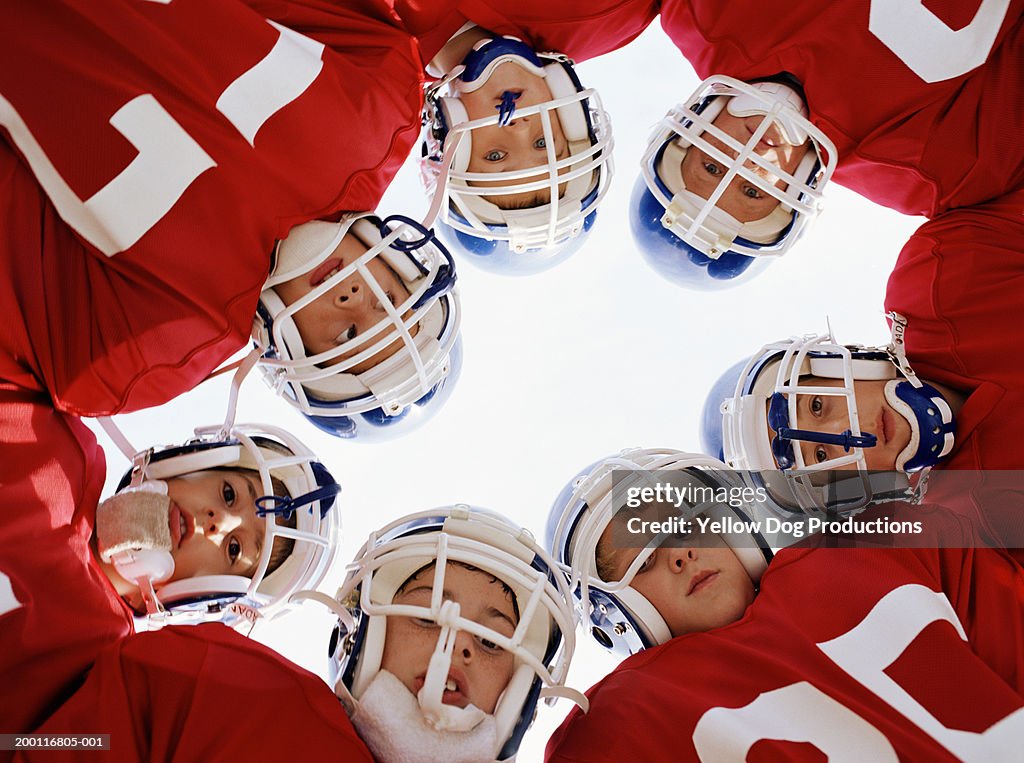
580 30
57 608
958 282
845 654
176 142
204 693
924 101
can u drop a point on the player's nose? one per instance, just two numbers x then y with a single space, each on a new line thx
216 520
352 293
679 558
465 646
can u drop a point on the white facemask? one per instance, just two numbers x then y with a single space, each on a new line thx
391 723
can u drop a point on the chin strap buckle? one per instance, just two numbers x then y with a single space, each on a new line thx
897 349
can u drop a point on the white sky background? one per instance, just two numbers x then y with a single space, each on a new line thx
571 365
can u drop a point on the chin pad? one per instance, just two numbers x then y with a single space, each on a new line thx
133 520
932 425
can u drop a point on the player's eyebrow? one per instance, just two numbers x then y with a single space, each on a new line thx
252 489
496 613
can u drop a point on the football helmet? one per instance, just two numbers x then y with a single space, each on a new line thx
334 389
515 241
620 618
767 388
274 454
542 642
687 238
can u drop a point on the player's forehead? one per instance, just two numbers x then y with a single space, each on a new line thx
476 590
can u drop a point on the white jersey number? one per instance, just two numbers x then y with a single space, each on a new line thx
8 601
801 712
169 159
932 50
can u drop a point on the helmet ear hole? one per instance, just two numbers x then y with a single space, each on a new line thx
601 637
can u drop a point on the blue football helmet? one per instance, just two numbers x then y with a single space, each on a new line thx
377 382
275 455
620 618
685 236
767 390
472 217
542 642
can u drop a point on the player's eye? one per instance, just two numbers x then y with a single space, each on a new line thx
820 455
234 549
424 622
494 156
752 193
816 405
228 493
713 169
489 646
540 144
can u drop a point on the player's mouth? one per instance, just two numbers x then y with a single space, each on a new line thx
182 525
702 580
885 426
331 267
455 688
769 140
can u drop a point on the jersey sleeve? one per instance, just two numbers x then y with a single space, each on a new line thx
922 120
177 142
889 652
577 29
57 609
205 692
957 281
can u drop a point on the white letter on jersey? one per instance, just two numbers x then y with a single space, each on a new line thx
795 713
932 50
121 212
277 80
8 601
882 636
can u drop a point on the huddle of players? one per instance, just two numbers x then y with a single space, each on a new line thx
453 622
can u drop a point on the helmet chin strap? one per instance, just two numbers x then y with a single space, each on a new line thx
931 420
932 425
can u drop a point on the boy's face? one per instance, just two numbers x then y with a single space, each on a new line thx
694 588
213 522
828 413
479 670
742 199
346 310
521 143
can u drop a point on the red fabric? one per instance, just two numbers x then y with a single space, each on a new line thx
649 707
580 30
205 693
107 334
57 609
959 282
915 146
